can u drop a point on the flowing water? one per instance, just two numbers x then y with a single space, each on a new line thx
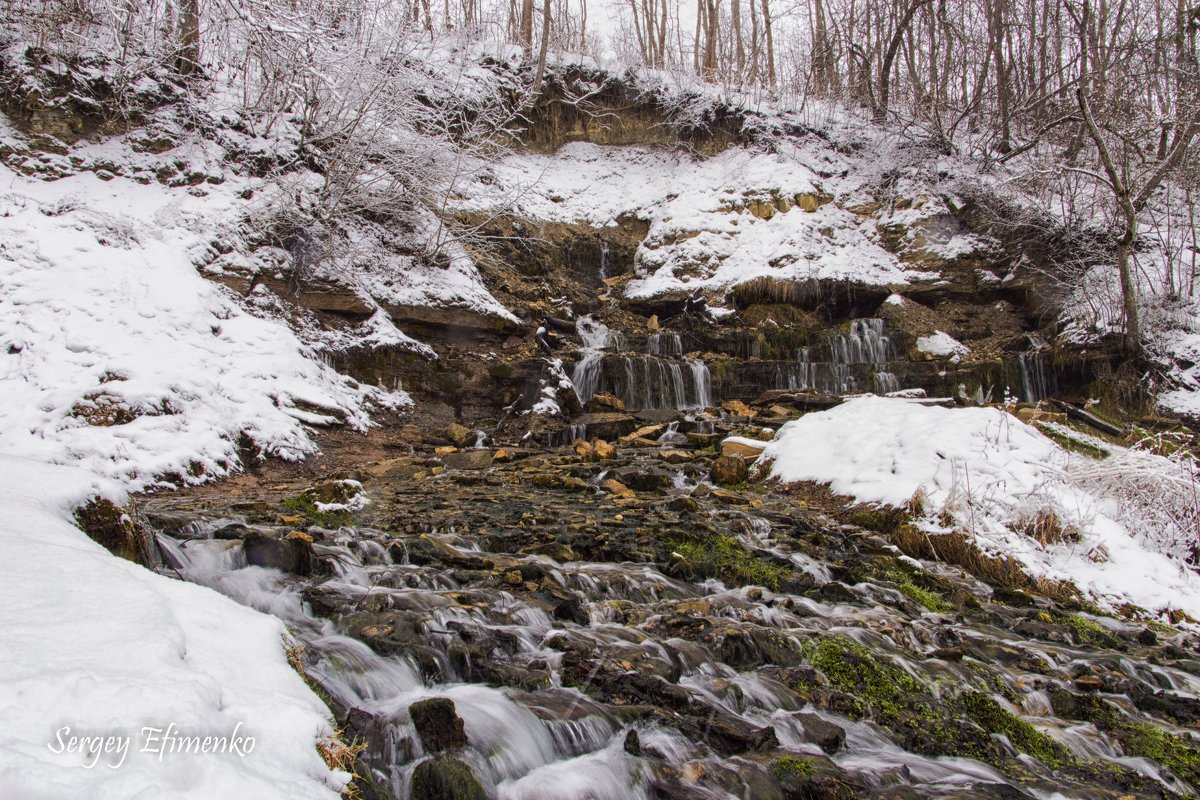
659 378
593 653
859 360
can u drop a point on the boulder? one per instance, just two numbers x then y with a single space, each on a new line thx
460 435
826 735
602 402
468 459
292 554
742 448
438 725
729 470
445 779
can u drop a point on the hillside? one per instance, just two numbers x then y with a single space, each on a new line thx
620 438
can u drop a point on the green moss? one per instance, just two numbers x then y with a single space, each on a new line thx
853 669
1070 443
926 597
881 519
1089 631
792 767
723 556
989 715
305 505
1167 749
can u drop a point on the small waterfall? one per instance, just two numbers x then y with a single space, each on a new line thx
603 260
664 344
588 371
568 436
658 378
865 345
1036 384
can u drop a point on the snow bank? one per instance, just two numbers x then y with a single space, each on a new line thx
703 233
121 365
120 358
993 474
102 646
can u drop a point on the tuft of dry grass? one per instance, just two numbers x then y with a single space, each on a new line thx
1046 528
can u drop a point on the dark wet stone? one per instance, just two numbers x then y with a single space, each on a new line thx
292 554
729 735
826 735
445 779
571 610
438 724
633 744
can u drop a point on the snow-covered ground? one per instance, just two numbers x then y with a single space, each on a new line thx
123 366
703 232
94 645
996 477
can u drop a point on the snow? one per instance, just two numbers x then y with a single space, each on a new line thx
702 232
992 473
102 646
103 318
942 345
103 310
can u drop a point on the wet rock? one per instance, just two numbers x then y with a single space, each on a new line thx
633 744
603 450
445 778
571 610
729 735
736 408
742 448
459 435
292 553
115 529
603 402
729 470
826 735
438 725
468 459
651 479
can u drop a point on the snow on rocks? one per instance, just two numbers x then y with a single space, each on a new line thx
942 345
122 367
995 476
714 223
122 359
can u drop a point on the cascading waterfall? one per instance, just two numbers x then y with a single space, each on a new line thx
603 260
866 344
514 749
1036 384
658 378
664 344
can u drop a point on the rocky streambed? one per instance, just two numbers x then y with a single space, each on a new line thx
647 619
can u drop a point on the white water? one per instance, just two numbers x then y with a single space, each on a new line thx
515 752
866 344
642 381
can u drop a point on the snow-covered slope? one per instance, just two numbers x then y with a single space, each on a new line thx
93 645
123 367
997 478
714 223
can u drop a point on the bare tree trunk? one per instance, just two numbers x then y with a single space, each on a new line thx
525 37
188 61
770 43
543 48
883 97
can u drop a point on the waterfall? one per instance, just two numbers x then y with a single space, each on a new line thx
658 378
588 371
664 344
865 344
603 260
1036 385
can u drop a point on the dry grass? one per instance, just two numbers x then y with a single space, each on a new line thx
1046 528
